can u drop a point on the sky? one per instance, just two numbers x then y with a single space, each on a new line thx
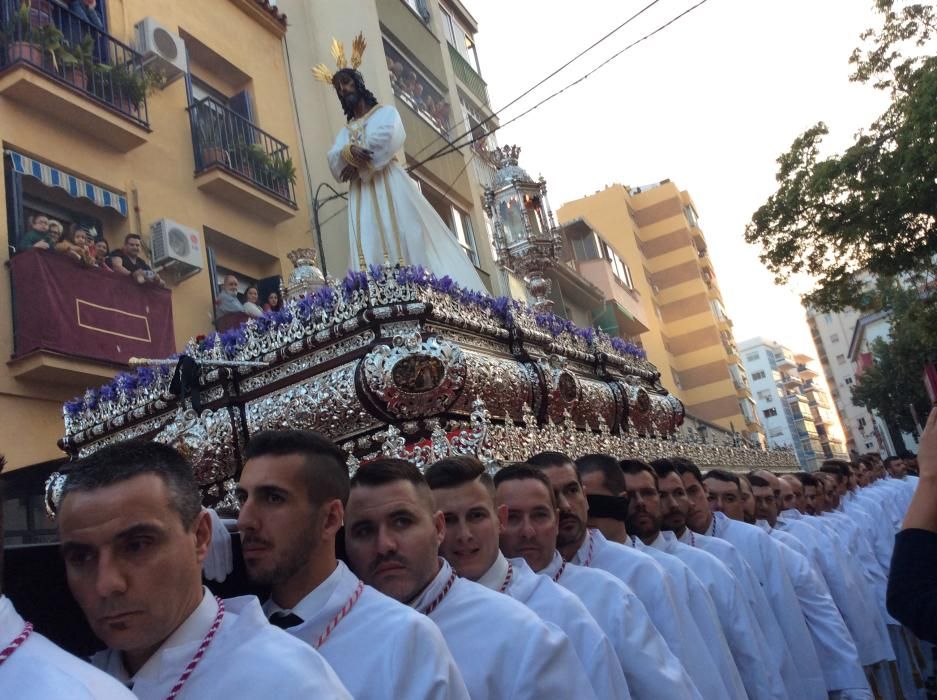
709 103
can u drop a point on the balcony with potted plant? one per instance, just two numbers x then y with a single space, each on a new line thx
54 62
239 162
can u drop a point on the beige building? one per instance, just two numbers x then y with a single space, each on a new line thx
670 290
421 58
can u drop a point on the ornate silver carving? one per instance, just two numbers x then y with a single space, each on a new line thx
206 440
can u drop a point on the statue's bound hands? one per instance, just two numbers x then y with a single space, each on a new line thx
349 172
361 155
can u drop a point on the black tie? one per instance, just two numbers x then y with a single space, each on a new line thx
285 620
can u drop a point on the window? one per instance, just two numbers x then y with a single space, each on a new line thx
419 6
765 395
691 215
758 375
840 359
848 380
462 225
676 378
869 445
619 268
770 412
587 247
461 39
834 338
861 423
752 357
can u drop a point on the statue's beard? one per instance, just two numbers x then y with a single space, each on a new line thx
350 101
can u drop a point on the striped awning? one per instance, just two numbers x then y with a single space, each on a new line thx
75 186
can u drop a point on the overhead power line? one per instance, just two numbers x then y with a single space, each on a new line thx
446 150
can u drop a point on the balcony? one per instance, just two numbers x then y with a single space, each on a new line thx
806 372
240 163
467 76
783 361
92 321
59 65
419 93
791 381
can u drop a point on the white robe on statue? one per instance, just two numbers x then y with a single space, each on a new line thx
758 667
650 667
761 553
503 650
555 604
726 552
667 607
248 658
40 670
388 217
373 648
691 590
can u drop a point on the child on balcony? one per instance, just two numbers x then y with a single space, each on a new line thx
75 245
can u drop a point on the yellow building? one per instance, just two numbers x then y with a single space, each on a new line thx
673 292
421 58
206 158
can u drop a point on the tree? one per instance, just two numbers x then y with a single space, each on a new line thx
874 207
894 381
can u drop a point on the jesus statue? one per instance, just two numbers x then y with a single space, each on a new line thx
388 217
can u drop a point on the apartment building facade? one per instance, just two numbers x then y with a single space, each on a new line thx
673 292
793 406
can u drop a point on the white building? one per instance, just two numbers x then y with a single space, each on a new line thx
793 404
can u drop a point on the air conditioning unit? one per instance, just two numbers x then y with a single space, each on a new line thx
176 247
161 49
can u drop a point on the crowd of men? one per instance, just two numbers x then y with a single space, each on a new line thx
555 578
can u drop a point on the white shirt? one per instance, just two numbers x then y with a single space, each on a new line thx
39 670
555 604
759 668
650 667
726 552
503 650
761 553
667 607
705 616
248 658
413 661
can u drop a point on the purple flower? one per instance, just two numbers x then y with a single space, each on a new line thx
146 377
232 340
107 393
73 407
377 272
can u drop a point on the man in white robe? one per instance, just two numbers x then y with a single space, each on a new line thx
464 492
530 532
586 547
134 537
33 668
293 489
388 217
602 475
503 650
834 646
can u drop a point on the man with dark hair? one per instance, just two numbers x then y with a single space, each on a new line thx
896 467
392 536
715 597
748 500
127 261
764 499
725 493
33 668
681 485
133 537
292 491
667 605
464 492
604 484
530 531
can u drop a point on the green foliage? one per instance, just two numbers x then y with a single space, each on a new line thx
134 83
873 207
283 169
80 55
895 379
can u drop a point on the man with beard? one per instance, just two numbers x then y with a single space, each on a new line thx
464 492
679 480
292 492
719 607
388 217
530 530
134 536
652 584
503 650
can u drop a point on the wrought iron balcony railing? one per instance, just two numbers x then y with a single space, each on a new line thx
223 138
65 47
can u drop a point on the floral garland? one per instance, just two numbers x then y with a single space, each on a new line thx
320 304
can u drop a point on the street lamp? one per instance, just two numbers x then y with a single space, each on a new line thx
526 238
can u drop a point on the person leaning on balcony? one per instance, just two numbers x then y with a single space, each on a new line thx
102 252
38 235
87 10
251 307
56 230
227 301
127 261
74 245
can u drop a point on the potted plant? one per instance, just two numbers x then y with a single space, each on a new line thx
252 161
131 84
21 40
210 132
78 62
283 172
